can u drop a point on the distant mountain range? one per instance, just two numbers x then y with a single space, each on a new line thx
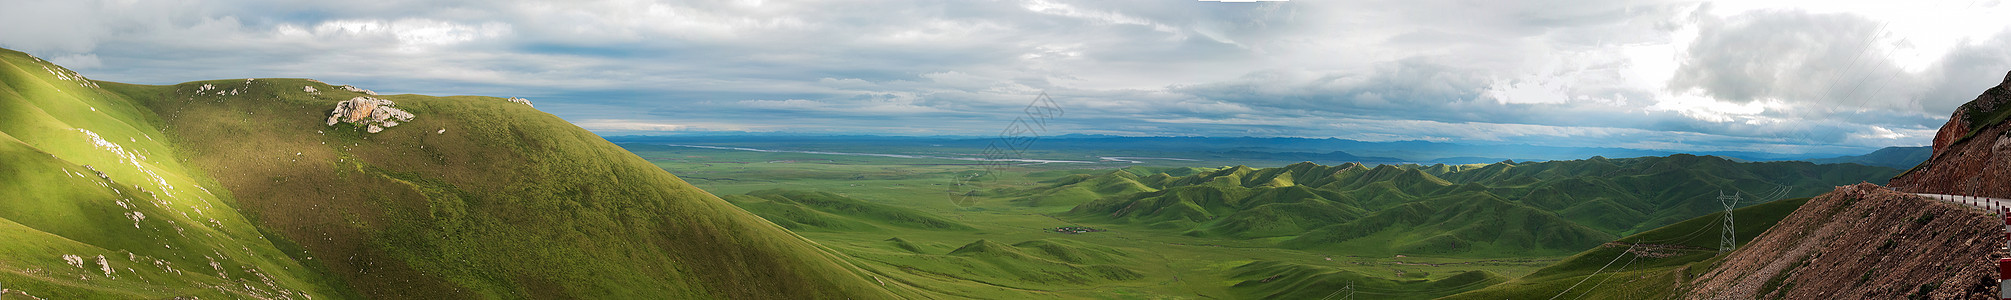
1891 157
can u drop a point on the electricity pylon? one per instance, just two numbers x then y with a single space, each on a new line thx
1729 239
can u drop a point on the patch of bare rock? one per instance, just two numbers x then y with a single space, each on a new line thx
356 89
372 113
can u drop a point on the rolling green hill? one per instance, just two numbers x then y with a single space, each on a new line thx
1646 265
1283 280
1494 210
803 210
1024 269
238 189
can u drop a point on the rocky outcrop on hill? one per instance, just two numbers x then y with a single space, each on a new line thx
1971 152
356 89
1864 242
375 114
525 102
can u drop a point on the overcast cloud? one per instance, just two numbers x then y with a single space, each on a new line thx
1778 76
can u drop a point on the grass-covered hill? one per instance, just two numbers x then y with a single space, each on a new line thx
1027 268
1285 280
97 201
1506 208
824 211
1648 265
238 189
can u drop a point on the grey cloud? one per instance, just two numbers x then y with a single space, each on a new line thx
1834 68
1787 55
1964 73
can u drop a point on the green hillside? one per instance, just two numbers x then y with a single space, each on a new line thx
1022 269
151 226
238 189
823 211
1491 210
1643 264
1282 280
1465 223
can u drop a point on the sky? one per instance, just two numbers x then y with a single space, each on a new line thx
1758 75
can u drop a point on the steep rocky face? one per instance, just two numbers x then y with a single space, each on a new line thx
1970 152
1956 127
1864 242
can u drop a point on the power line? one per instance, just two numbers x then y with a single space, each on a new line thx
1685 237
1779 192
1616 273
1601 268
1350 289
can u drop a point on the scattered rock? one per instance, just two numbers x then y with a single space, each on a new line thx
310 90
67 74
73 260
105 265
375 114
442 131
136 216
101 174
526 102
356 89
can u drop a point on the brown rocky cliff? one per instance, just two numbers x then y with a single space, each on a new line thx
1864 242
1957 126
1975 166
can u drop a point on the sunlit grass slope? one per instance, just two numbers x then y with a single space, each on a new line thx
1024 269
477 197
152 226
804 210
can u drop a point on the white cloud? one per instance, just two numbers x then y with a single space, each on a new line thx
792 104
50 26
410 34
78 61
